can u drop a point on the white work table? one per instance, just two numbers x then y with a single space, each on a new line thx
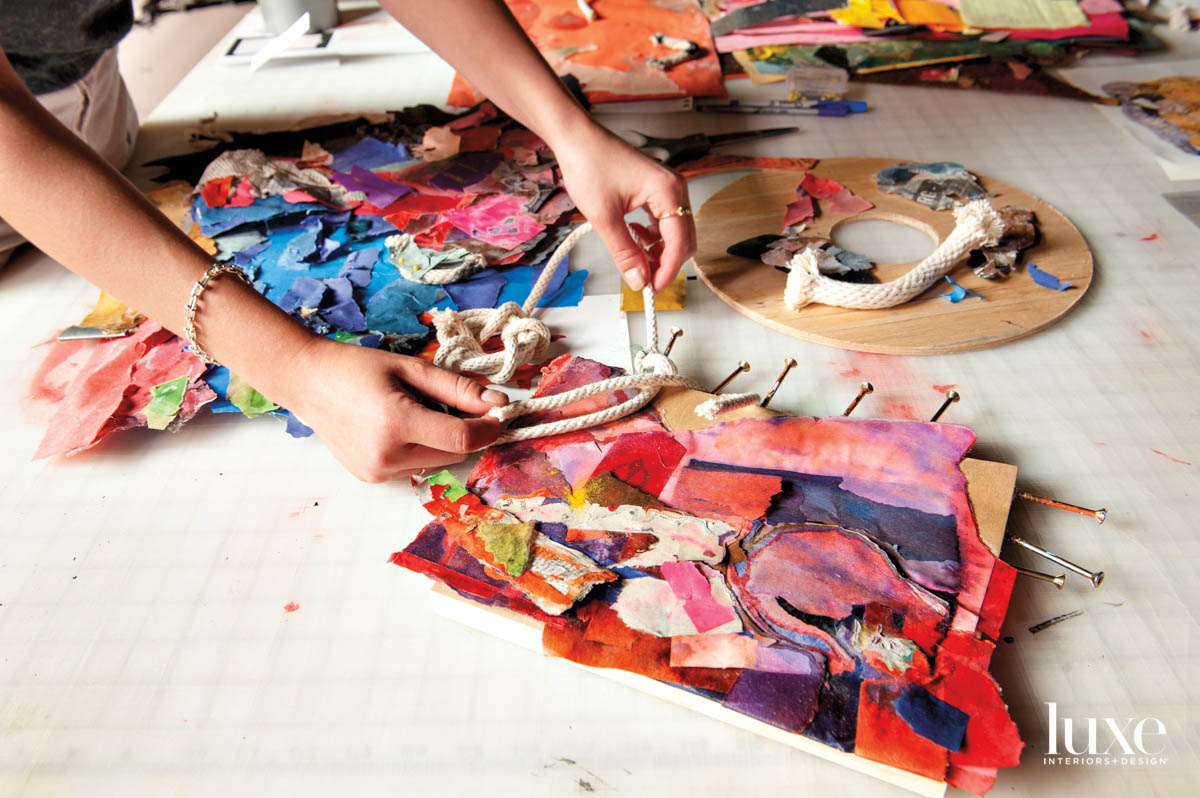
144 645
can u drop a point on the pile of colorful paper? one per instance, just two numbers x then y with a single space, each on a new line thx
964 43
358 244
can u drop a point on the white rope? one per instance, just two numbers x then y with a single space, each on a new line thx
460 347
711 408
978 225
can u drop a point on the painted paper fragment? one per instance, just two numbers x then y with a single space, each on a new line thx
713 651
245 398
166 402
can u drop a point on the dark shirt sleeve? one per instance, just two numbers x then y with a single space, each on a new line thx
53 43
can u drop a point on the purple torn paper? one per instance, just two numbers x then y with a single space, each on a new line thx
369 153
380 192
480 290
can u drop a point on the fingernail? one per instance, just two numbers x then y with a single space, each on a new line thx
495 397
635 279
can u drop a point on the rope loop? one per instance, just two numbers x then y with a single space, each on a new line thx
461 335
978 225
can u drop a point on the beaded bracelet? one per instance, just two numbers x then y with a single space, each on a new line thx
189 326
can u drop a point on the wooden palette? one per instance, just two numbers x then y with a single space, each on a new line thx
1015 307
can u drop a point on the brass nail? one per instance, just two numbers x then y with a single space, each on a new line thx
1099 515
788 365
1094 577
1057 581
863 390
741 366
951 397
675 333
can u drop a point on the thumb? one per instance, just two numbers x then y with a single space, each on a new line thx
446 386
629 257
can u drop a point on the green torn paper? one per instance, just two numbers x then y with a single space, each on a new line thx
510 544
245 398
166 401
454 489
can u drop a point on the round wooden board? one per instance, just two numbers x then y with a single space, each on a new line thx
1014 307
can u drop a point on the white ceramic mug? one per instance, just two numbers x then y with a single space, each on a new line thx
280 14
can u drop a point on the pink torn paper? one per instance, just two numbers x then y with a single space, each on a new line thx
113 386
800 211
499 219
713 651
845 201
690 587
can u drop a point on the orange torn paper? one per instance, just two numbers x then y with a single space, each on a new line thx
111 315
930 13
610 55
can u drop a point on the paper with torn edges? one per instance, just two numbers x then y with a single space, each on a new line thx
842 587
941 186
549 574
110 388
277 218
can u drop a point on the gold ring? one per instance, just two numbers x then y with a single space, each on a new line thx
682 210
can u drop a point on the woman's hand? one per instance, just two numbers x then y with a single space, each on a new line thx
366 406
607 178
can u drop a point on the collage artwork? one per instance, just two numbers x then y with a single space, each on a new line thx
823 576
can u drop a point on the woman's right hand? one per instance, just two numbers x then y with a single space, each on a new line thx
367 407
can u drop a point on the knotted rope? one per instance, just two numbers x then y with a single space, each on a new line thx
460 347
978 225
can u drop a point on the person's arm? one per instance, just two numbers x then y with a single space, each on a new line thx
75 207
604 176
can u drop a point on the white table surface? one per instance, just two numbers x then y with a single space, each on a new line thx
144 646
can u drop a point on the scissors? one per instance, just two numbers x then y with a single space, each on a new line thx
675 151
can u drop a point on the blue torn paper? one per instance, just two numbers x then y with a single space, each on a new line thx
932 718
395 307
304 293
297 428
480 290
557 279
342 311
362 228
332 297
230 244
368 153
1046 279
565 288
958 293
214 221
315 243
359 266
245 257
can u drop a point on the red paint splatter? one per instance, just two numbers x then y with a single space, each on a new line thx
1173 459
899 410
1101 443
1145 334
944 388
852 373
291 606
1150 237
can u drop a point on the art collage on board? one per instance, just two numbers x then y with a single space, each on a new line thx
823 576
